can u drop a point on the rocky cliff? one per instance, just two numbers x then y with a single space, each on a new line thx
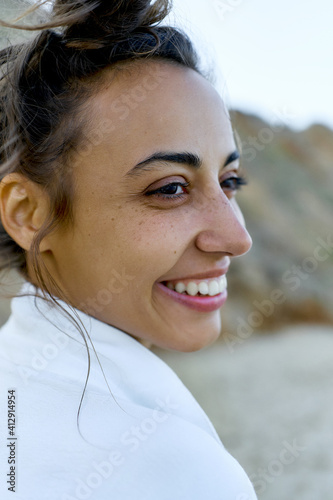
288 274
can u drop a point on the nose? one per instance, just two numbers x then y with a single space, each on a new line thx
223 227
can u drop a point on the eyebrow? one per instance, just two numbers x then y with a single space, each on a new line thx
185 158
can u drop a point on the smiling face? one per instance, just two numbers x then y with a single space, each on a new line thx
156 221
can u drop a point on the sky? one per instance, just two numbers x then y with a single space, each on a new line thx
271 58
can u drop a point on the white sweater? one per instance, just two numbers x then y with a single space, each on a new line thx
146 440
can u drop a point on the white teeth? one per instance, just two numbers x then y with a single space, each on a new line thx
223 283
203 288
192 288
208 287
213 288
180 287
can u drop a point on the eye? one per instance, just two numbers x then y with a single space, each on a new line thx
170 191
233 183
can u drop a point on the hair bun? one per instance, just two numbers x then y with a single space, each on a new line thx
91 24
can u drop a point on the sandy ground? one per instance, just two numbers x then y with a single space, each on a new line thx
271 401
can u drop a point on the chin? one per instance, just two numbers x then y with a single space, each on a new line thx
193 340
198 344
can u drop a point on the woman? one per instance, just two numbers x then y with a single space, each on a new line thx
119 175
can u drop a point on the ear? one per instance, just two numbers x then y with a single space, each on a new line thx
24 206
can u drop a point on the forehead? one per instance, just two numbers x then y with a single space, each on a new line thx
155 105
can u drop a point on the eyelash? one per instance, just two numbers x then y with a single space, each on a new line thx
159 192
238 181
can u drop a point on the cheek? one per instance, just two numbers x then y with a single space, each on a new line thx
130 240
154 243
151 229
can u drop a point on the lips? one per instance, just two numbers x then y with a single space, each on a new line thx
197 303
203 294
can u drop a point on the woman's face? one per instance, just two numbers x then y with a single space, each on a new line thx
154 208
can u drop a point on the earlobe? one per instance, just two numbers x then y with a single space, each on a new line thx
24 207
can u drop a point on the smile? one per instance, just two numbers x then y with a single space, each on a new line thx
210 287
204 296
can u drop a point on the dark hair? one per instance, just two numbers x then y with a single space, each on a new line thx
45 82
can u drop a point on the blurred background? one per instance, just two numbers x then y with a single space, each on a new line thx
267 384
